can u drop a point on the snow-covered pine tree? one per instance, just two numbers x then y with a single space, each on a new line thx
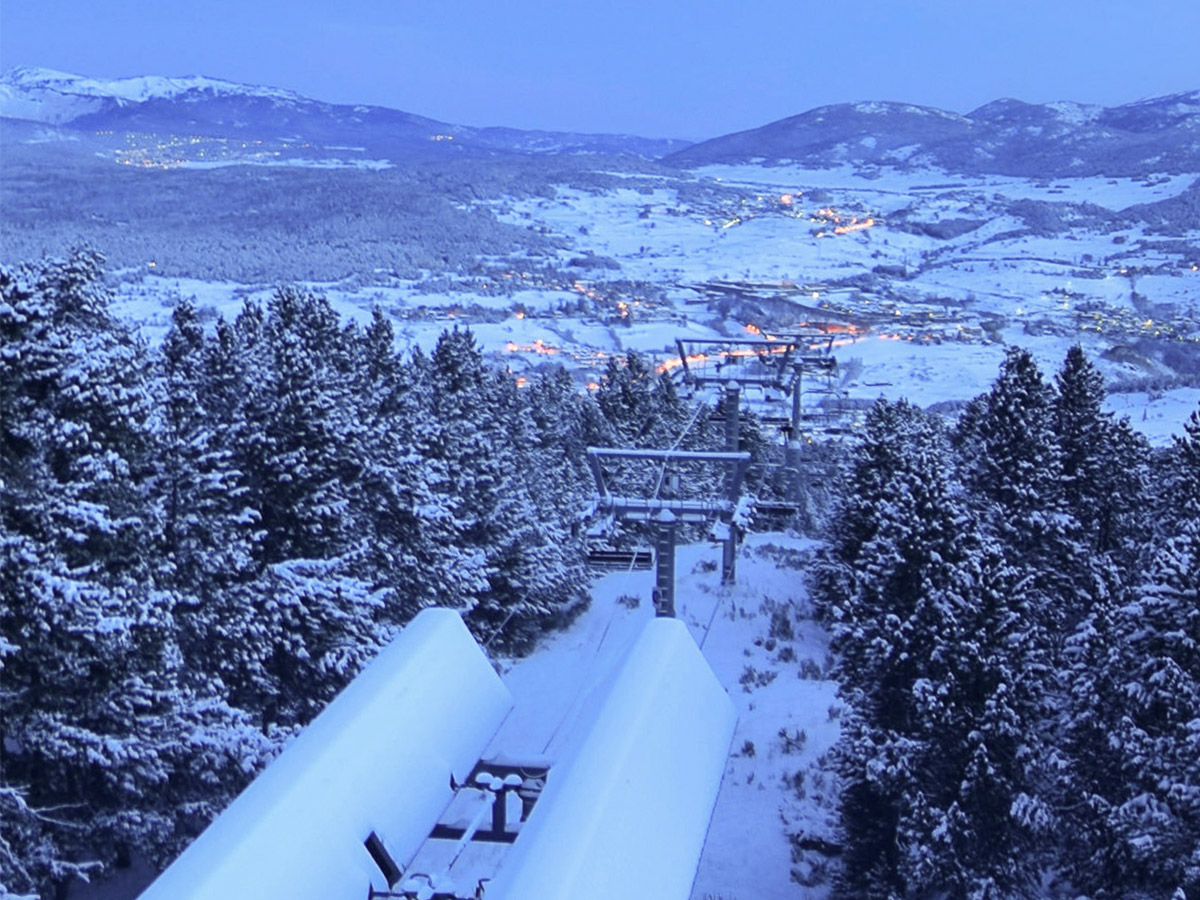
862 489
209 534
538 566
1013 467
483 439
990 836
224 636
1017 470
1104 462
1090 778
1105 475
625 397
307 447
561 417
889 617
939 753
1157 667
453 441
93 714
404 494
301 458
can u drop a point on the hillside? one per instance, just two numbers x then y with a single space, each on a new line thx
199 108
1006 137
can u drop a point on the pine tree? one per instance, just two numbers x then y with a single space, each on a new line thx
1018 467
888 614
1103 461
862 489
1157 666
539 568
1015 473
625 397
207 530
483 439
216 546
307 448
404 494
1091 780
1104 487
939 757
93 710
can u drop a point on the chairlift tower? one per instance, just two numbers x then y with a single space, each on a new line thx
779 363
666 513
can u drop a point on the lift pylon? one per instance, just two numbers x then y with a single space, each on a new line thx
667 512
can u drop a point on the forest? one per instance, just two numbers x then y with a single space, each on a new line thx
202 543
1013 606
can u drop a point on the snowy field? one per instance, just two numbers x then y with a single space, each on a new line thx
934 314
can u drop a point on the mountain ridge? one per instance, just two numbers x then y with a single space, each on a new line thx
1007 136
213 107
1004 137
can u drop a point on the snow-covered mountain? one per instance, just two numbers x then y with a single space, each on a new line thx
1005 137
210 107
49 94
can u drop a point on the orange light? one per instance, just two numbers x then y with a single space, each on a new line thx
536 347
854 226
676 362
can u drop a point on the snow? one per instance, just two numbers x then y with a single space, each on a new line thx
1111 193
627 805
1159 416
378 759
995 285
747 853
137 89
1075 113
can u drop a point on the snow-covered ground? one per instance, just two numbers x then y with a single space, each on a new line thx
777 682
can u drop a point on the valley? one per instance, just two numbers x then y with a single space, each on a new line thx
926 241
924 277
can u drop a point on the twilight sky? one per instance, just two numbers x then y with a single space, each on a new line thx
663 69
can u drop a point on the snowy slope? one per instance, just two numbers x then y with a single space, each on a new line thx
199 105
45 95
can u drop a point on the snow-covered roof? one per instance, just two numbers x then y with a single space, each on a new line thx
378 759
626 807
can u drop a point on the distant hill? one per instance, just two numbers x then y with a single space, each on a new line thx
209 107
1005 137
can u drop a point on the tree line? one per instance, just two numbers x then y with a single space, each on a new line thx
1013 602
202 543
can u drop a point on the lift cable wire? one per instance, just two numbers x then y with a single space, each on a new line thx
700 406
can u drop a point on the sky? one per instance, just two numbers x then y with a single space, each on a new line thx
660 69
